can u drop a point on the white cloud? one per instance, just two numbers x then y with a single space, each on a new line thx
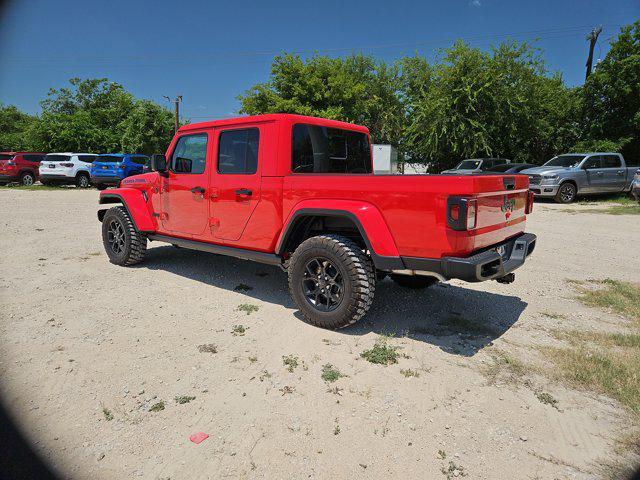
475 3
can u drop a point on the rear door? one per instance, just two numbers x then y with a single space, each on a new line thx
615 175
236 184
184 190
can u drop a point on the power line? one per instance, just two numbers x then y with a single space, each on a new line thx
96 60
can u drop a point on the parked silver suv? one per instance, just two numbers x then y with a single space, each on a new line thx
566 176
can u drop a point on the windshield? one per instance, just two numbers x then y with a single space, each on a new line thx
108 159
564 161
56 158
469 165
4 156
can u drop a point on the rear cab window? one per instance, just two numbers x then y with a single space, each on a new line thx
87 158
33 158
4 156
56 158
318 149
611 161
109 159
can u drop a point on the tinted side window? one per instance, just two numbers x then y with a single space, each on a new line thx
190 154
611 161
317 149
238 151
33 158
593 162
486 164
87 158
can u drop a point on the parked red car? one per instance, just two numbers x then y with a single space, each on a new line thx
20 167
300 192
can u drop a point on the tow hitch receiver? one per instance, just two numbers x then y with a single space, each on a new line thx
508 278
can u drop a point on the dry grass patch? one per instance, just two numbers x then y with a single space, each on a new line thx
504 368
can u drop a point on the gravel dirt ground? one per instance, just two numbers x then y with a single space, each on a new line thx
87 348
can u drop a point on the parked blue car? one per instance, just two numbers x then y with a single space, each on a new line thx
109 169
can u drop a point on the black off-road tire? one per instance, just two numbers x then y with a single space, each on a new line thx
83 180
27 179
566 193
131 245
357 275
415 282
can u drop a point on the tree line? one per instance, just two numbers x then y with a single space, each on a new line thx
467 103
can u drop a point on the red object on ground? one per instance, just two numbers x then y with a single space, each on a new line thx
198 438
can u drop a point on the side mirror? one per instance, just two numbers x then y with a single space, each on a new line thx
158 163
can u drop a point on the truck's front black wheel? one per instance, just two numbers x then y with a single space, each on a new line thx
122 242
566 193
331 280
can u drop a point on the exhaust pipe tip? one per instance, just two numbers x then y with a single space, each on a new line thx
508 278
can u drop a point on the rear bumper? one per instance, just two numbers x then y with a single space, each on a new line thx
486 265
9 178
57 178
108 180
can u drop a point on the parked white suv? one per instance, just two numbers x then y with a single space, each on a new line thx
67 168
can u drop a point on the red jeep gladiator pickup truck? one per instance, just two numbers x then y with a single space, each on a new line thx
300 192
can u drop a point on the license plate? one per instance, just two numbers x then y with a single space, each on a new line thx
104 167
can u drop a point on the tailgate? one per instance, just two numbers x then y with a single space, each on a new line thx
501 200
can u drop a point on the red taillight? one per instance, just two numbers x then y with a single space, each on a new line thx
530 198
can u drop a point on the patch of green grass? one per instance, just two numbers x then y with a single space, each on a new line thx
409 373
621 297
248 308
615 373
504 368
442 454
253 358
336 430
108 416
32 187
621 199
290 361
184 399
239 330
242 288
330 373
453 471
157 407
547 399
381 353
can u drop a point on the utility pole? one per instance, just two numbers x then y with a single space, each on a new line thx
176 101
592 37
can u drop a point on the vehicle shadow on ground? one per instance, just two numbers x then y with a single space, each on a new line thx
458 320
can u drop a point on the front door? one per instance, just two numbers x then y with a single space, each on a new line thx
184 190
236 188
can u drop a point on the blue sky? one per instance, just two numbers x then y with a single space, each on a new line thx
211 51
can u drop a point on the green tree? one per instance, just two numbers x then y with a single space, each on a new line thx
13 125
612 96
355 89
147 129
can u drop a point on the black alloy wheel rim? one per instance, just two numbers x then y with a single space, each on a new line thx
566 193
115 237
322 284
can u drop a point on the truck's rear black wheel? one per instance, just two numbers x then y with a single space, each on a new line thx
122 242
415 282
331 280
